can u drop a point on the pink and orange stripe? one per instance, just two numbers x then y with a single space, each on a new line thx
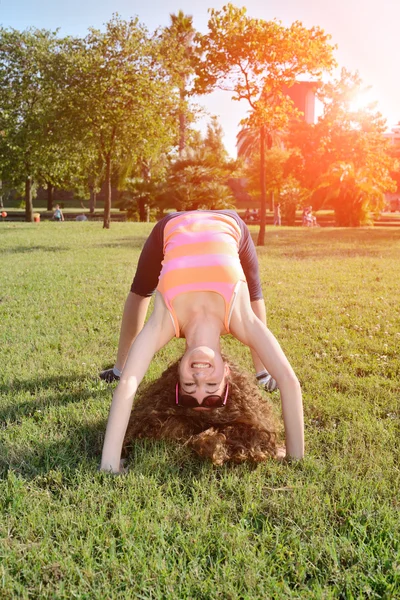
200 254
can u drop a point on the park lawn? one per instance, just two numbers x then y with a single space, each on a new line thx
176 527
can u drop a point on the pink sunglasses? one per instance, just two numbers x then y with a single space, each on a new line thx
213 401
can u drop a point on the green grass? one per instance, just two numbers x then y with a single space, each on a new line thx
174 526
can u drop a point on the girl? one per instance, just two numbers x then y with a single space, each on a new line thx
208 285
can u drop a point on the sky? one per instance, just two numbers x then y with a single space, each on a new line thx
366 32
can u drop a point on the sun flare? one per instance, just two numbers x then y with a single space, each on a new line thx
362 100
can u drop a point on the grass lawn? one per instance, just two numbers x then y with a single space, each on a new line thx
176 527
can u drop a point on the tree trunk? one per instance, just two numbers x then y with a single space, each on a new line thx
261 233
107 204
92 200
28 201
50 196
289 212
143 203
142 209
182 120
1 194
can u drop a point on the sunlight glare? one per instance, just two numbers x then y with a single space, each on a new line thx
363 100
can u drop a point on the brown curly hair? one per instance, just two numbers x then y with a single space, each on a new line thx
244 429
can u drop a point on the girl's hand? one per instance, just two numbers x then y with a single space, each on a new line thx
123 469
280 453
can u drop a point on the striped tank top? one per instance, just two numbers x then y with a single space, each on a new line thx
201 255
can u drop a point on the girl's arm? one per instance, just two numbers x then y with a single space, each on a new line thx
142 289
133 318
259 309
248 329
156 333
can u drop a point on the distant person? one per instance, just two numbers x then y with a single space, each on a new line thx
311 217
277 214
58 214
254 215
308 218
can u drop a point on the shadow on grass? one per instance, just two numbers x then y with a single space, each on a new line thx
367 234
28 453
126 242
45 392
40 441
81 445
78 442
29 249
321 243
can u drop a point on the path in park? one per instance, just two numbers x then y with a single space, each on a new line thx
387 219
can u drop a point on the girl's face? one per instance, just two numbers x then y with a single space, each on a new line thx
202 372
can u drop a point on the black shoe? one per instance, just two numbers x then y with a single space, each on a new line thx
266 381
270 385
109 376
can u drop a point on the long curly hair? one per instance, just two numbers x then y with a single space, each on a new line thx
243 430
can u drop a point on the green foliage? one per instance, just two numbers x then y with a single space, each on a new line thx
355 193
121 96
281 186
179 55
291 197
275 162
344 155
249 141
141 199
197 184
213 142
175 526
256 60
178 49
33 146
199 180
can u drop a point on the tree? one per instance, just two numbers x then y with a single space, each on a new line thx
213 142
196 184
29 103
121 96
248 148
255 60
179 55
142 186
248 142
200 180
280 183
343 159
356 192
394 153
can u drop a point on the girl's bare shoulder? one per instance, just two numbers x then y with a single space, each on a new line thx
160 310
160 320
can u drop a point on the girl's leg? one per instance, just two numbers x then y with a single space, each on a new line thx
263 377
133 318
